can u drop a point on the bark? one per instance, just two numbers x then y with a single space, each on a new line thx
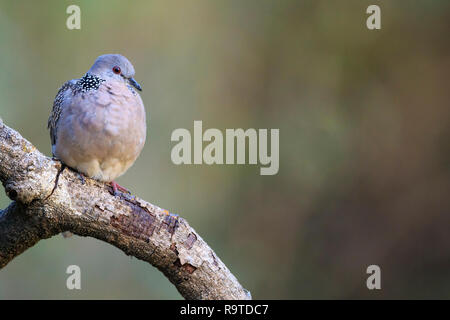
42 208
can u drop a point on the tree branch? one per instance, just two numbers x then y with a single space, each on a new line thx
145 231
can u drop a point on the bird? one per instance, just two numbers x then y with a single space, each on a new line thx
98 122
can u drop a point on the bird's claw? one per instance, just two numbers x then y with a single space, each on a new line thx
116 187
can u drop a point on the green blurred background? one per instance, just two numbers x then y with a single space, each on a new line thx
364 125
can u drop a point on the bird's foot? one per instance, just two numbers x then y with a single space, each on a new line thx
116 187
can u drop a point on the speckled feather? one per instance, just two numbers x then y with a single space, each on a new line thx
84 84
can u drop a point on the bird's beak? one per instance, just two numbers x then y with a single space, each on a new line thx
134 84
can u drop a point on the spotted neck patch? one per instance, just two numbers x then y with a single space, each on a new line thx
88 82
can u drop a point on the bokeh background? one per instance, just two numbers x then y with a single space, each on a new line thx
364 123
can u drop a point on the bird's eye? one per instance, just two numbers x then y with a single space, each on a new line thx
116 70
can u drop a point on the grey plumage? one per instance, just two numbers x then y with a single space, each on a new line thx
97 124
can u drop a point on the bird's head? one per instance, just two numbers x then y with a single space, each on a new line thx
114 66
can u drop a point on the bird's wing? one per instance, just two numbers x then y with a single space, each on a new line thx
58 104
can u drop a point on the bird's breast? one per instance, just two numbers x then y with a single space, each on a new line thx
105 127
114 110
